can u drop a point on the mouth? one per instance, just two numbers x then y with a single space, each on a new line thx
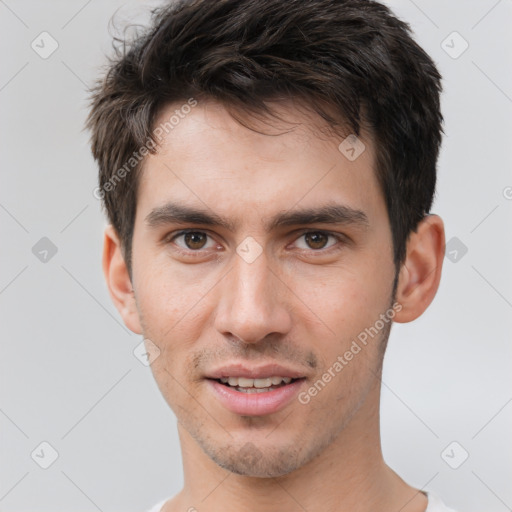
261 385
260 396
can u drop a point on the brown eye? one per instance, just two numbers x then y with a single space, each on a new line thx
319 241
192 241
316 240
195 240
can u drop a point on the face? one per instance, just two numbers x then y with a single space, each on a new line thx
235 276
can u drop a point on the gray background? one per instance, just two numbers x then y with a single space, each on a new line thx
68 373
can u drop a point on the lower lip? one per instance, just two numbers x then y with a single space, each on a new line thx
255 404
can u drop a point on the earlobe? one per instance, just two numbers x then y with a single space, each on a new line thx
421 272
118 280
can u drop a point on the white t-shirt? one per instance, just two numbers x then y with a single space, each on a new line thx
434 504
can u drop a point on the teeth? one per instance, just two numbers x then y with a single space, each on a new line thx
254 390
260 383
242 382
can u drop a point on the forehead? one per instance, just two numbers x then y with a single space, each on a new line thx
209 159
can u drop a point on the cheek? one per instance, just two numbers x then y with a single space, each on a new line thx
171 305
344 301
346 306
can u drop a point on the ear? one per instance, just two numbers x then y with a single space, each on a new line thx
420 274
118 280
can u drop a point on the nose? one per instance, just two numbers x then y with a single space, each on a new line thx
253 302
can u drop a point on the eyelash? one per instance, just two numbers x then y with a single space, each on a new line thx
340 238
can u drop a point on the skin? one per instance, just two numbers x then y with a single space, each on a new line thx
300 303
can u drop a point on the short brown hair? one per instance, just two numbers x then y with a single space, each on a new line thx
354 56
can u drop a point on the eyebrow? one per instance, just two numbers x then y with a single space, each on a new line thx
175 213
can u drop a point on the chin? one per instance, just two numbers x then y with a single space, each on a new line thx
268 461
265 467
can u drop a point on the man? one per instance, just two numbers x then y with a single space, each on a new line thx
268 169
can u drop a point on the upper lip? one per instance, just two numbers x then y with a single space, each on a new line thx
254 372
